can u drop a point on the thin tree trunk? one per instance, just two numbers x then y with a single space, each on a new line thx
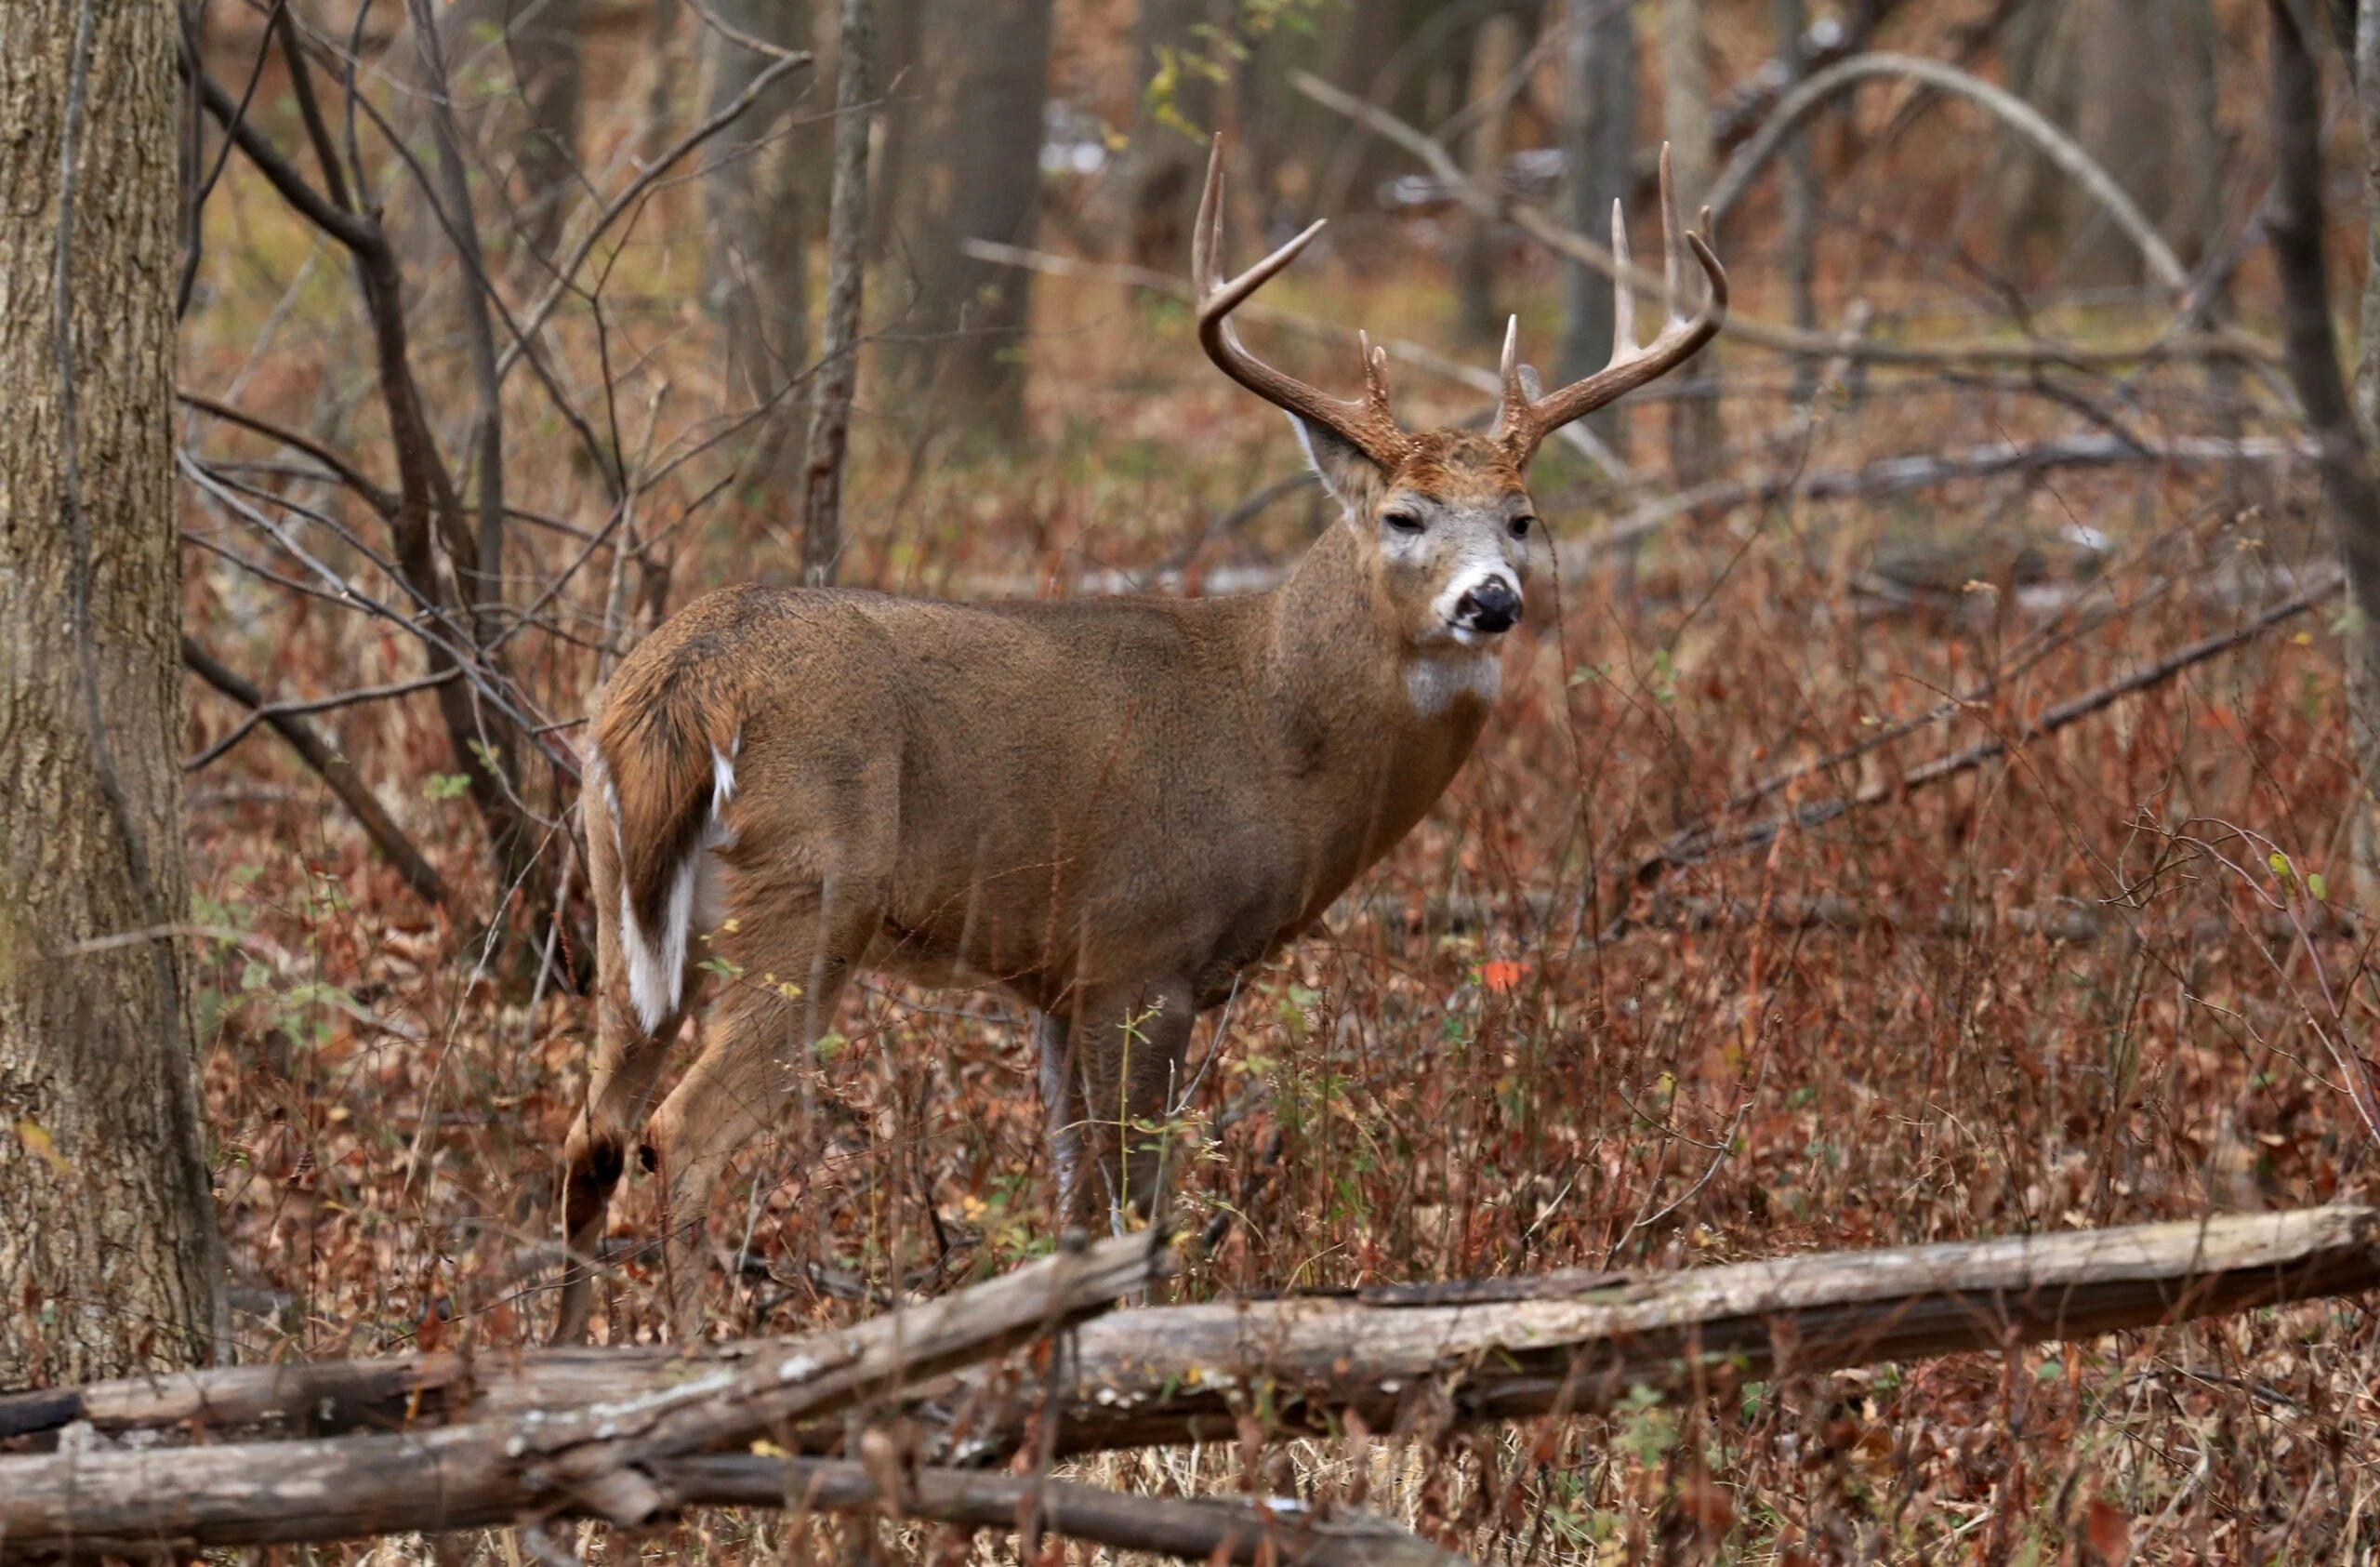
830 412
542 37
897 26
2135 81
2363 641
2028 187
1800 190
108 1255
662 49
1495 54
2310 351
486 589
1600 154
974 173
2145 109
1175 106
1696 432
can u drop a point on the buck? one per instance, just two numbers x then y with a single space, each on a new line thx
1111 809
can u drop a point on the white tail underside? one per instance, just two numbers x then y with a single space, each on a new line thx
656 959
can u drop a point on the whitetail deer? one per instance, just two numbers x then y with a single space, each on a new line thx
1110 809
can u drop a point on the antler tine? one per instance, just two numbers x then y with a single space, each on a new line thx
1623 298
1672 241
1366 423
1525 420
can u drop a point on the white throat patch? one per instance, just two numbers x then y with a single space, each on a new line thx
1433 681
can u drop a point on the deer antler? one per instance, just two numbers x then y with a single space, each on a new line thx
1366 423
1526 419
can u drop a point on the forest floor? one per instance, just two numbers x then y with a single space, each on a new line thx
2105 978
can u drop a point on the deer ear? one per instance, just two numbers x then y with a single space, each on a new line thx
1351 476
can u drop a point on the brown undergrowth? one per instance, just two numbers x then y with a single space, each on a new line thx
2112 978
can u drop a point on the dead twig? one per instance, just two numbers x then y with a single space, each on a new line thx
1701 842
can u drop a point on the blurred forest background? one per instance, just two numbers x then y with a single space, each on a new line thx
1924 802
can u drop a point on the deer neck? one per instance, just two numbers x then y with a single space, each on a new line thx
1377 726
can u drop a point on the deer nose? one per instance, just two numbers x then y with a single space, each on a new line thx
1493 605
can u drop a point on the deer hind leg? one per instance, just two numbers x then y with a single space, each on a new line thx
627 1062
1115 1078
793 949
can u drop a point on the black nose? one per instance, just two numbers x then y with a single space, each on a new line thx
1494 606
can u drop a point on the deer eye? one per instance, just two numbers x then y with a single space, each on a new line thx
1403 522
1520 525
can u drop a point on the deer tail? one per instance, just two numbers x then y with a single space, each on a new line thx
665 747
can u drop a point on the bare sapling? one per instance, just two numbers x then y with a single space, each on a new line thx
1110 809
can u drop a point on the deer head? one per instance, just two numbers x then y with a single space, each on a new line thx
1443 516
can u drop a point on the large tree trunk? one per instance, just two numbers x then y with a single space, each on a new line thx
1694 430
753 213
1599 148
2309 347
973 172
107 1222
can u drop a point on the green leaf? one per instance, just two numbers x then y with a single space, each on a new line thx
447 786
2319 888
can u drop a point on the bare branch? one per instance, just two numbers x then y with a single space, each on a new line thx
1554 236
354 478
334 769
2018 115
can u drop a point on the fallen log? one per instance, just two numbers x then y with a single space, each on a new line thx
1186 1373
1402 1358
592 1457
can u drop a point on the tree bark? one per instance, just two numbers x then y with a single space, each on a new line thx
975 172
830 409
108 1255
1696 432
2350 490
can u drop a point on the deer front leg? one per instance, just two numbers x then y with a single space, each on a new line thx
619 1087
1116 1068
